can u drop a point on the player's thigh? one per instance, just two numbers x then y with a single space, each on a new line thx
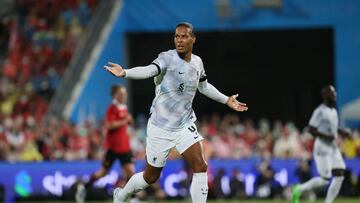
322 157
109 159
157 146
189 146
323 164
127 163
194 156
126 158
187 137
337 161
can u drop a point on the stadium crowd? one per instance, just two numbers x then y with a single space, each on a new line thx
226 137
39 38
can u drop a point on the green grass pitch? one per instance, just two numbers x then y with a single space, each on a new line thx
339 200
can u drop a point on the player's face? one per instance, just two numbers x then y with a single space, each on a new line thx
121 95
183 40
330 96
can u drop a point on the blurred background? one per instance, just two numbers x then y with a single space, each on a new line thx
277 54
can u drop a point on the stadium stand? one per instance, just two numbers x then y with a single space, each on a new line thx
39 38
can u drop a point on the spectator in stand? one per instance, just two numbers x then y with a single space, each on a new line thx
264 146
350 146
250 134
264 180
39 48
237 185
348 188
303 172
287 145
219 192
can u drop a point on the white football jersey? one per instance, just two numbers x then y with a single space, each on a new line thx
325 119
175 90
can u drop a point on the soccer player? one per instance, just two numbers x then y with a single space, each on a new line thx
117 141
178 75
323 126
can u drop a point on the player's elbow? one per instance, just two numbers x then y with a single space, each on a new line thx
312 130
202 90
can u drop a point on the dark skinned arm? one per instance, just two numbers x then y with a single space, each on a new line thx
344 133
314 132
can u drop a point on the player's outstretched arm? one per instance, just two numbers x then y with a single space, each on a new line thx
115 69
235 104
344 133
210 91
140 72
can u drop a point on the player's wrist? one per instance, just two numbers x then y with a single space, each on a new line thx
227 101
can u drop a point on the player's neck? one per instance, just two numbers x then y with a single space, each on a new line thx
185 56
115 101
330 104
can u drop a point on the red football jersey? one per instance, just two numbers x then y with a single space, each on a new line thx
117 140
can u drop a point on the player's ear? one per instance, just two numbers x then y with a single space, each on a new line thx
193 38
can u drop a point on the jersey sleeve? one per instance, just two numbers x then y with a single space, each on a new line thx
162 61
203 76
110 114
142 72
315 118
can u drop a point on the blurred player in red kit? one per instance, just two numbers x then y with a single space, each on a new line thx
117 141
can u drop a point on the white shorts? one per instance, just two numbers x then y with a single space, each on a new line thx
159 142
327 157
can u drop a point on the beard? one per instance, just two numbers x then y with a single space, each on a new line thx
181 54
332 103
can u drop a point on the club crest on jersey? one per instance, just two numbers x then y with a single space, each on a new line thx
181 87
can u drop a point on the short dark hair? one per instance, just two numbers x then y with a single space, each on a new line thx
325 88
114 88
188 25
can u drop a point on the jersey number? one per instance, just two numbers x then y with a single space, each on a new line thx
192 129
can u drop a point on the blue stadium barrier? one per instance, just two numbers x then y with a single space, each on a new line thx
53 178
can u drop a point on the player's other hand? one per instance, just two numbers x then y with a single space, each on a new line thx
130 119
235 104
115 69
345 133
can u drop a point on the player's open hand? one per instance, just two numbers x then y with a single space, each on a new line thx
235 104
345 133
115 69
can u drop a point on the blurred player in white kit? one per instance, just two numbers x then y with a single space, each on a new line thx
324 126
